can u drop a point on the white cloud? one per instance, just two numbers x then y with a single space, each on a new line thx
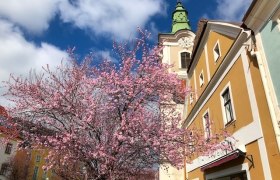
118 18
18 55
152 28
104 55
33 15
231 10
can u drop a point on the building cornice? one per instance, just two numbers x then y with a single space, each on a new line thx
259 12
168 37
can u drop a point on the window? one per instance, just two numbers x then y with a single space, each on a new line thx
4 169
185 59
38 158
191 142
201 79
191 97
35 173
8 149
44 176
227 106
217 51
206 124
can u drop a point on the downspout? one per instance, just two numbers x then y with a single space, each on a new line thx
268 97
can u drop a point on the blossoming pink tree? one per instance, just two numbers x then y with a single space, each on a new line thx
105 122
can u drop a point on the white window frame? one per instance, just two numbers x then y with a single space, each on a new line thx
225 120
204 124
191 143
191 97
216 55
180 60
201 80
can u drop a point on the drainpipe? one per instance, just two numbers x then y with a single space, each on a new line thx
268 96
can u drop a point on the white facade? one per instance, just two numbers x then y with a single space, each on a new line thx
6 155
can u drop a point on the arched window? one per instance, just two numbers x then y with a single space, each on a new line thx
185 60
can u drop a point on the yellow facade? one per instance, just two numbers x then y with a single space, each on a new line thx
236 74
37 161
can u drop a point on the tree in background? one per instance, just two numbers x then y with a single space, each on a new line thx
111 121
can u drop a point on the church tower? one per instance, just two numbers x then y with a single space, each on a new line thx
180 19
178 44
177 49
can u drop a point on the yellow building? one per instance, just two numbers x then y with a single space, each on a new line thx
228 90
37 161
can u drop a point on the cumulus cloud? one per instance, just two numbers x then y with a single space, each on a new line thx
118 18
18 55
32 15
231 10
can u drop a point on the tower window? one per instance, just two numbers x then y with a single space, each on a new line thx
217 51
185 59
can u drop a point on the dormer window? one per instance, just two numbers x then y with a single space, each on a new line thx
185 59
217 51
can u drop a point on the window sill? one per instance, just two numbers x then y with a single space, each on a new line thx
230 123
216 60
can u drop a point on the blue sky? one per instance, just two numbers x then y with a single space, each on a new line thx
38 32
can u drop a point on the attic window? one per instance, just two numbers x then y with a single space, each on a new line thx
185 59
217 51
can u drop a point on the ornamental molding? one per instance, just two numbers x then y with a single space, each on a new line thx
185 42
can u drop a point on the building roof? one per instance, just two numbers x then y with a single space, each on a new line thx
249 10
